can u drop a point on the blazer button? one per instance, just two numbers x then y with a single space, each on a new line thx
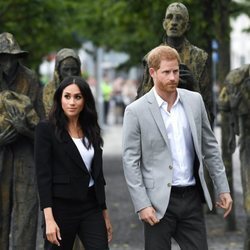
170 167
169 184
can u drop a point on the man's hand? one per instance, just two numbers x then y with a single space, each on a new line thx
225 202
148 215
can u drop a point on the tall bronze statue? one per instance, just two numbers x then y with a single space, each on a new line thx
67 64
194 70
234 100
21 108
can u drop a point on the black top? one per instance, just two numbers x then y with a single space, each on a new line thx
60 170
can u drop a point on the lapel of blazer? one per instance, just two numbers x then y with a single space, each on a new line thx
190 116
156 113
96 166
72 151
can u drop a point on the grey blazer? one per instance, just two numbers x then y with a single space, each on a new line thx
147 160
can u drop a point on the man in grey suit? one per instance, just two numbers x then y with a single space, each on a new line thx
167 142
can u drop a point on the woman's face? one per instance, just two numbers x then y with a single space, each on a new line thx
72 101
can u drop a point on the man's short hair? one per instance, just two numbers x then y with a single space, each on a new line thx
162 52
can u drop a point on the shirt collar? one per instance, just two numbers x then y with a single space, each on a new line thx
161 102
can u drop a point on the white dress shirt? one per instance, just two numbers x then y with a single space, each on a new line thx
180 141
86 154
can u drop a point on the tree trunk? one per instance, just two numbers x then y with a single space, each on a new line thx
223 26
207 34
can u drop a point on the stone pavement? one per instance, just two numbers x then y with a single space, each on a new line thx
128 232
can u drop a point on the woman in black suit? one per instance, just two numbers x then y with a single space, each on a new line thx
68 157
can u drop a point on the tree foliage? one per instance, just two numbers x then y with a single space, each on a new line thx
132 26
40 26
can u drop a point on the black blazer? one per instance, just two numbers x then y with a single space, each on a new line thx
60 170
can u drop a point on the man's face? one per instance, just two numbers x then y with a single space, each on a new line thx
69 67
176 22
7 62
166 78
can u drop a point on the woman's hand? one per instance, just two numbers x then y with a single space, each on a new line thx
52 230
108 224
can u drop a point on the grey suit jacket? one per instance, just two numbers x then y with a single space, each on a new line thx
147 160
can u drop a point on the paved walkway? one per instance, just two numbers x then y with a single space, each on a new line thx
128 233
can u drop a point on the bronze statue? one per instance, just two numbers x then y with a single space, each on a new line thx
234 100
21 108
194 70
67 64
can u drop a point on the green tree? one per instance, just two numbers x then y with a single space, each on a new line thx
133 26
40 26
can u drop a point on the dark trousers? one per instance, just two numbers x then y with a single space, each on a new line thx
183 221
106 111
84 219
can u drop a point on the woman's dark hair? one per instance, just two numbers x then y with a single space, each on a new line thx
88 119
